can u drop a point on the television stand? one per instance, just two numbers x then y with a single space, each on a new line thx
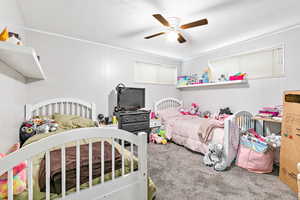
134 121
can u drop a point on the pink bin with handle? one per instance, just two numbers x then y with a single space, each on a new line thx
255 161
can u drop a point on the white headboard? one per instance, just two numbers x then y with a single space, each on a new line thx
167 103
68 106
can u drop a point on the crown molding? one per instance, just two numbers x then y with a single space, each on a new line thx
240 41
102 44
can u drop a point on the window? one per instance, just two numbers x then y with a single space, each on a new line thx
257 64
155 73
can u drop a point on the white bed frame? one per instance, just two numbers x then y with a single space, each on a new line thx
131 186
243 120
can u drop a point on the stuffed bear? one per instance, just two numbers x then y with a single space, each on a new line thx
215 157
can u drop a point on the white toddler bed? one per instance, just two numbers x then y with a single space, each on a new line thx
130 186
233 126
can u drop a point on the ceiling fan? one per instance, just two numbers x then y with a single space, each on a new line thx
173 28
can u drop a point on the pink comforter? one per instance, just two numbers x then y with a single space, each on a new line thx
192 127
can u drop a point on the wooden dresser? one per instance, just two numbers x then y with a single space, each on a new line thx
290 139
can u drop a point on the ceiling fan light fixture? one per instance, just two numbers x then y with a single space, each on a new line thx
172 36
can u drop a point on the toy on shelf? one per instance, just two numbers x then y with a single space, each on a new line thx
4 35
223 78
182 80
238 76
206 76
10 37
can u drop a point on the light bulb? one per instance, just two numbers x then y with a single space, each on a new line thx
172 36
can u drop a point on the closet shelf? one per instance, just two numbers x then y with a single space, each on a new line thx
23 60
213 84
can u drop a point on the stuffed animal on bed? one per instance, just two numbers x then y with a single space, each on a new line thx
192 110
19 177
215 157
36 126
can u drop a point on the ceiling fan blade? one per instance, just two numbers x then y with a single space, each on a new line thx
161 19
195 24
157 34
181 39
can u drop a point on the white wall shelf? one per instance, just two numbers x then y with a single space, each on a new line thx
23 60
213 84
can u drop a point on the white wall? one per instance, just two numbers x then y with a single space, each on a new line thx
88 71
263 92
13 91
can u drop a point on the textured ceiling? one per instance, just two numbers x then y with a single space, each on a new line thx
124 23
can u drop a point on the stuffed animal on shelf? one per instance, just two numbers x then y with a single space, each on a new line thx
223 78
206 76
215 157
4 35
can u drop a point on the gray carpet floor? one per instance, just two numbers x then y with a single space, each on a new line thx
180 174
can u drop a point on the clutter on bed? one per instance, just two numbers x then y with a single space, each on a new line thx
193 109
215 157
256 153
19 177
36 126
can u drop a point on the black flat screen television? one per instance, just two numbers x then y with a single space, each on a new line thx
131 99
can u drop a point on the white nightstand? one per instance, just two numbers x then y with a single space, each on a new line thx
154 123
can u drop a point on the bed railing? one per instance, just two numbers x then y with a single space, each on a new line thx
234 126
68 106
167 103
102 190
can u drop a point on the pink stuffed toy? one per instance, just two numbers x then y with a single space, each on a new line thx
19 176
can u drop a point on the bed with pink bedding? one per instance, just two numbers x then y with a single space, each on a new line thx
190 131
196 133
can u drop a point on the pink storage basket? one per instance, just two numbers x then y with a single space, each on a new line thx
253 161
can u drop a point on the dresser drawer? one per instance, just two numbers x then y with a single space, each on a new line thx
134 118
135 126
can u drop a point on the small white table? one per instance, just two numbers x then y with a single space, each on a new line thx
155 123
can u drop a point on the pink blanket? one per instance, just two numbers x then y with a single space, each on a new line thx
207 127
192 127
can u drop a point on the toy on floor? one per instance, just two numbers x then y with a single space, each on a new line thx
158 136
215 157
19 177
